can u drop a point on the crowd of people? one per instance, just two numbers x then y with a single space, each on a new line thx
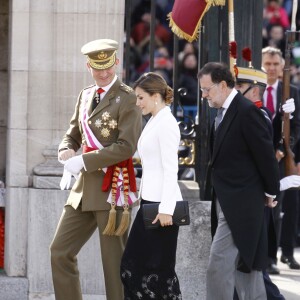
163 56
276 20
277 17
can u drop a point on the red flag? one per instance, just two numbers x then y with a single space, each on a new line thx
186 15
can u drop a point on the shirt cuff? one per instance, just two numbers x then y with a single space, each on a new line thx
271 196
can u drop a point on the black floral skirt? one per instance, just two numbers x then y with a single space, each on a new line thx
148 262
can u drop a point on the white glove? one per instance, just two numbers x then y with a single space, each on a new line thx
292 181
74 164
66 179
289 106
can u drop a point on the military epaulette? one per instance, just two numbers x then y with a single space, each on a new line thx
126 88
89 87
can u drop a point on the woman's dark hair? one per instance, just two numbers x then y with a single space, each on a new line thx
183 68
218 72
153 83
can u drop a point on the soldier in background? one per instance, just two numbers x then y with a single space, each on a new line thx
272 63
252 83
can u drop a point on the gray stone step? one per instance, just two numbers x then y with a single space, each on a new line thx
13 288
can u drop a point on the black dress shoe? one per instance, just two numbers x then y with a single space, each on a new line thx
272 269
290 261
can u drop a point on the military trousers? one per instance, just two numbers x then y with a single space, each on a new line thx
73 231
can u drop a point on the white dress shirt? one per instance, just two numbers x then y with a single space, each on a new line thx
274 94
107 87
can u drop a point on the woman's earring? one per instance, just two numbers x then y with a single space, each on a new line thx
155 102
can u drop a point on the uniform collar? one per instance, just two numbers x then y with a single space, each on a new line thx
107 87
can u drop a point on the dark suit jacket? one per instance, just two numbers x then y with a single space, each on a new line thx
243 168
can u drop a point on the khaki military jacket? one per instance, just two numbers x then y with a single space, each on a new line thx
116 123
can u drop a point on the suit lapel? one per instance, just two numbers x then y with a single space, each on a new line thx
89 100
224 126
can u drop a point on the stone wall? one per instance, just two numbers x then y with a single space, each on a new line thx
193 245
46 72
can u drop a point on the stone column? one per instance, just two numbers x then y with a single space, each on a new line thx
4 21
193 245
47 72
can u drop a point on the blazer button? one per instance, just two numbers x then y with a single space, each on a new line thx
90 122
99 169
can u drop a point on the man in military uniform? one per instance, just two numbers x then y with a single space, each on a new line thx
107 124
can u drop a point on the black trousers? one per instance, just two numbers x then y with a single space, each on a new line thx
290 208
274 234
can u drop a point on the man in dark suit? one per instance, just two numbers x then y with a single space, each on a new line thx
251 83
245 177
107 124
272 62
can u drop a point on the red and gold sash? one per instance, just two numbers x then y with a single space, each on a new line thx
121 172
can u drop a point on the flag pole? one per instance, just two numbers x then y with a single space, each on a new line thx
290 167
232 59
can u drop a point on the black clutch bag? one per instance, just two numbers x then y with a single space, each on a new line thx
180 217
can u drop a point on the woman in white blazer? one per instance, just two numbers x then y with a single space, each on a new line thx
148 263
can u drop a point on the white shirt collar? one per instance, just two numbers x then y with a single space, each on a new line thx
229 99
107 87
274 93
274 86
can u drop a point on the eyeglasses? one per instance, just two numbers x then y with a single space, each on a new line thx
206 90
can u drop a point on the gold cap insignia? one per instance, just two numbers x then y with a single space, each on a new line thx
101 54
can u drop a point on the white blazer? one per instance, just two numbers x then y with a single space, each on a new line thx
158 150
